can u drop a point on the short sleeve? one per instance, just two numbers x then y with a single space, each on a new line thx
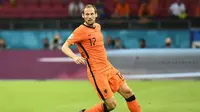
74 38
99 26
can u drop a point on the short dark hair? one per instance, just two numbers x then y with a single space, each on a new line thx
89 6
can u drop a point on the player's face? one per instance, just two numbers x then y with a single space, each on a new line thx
89 16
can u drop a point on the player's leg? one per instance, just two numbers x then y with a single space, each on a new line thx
102 87
130 98
118 84
108 105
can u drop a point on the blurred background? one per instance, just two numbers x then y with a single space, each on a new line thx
145 39
33 31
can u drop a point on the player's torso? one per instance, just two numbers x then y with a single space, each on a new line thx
92 48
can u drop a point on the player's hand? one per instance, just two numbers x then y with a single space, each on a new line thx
79 60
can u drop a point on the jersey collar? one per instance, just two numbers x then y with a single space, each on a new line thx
89 26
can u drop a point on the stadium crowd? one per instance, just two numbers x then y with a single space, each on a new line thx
145 10
106 8
110 43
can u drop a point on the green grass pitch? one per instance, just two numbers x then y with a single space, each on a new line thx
71 96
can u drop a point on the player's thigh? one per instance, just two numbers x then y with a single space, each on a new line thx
116 80
125 91
101 85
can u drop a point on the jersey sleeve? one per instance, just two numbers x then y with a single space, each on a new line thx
75 37
99 26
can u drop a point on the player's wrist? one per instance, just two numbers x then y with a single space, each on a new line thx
74 57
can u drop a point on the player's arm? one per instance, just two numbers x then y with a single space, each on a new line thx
67 51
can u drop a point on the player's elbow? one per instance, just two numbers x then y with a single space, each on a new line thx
63 48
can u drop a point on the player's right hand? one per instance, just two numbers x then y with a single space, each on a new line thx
79 60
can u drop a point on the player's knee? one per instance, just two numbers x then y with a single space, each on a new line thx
125 91
128 92
111 104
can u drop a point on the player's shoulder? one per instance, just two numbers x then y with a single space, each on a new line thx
82 29
98 26
79 29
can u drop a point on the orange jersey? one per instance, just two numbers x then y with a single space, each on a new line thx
91 46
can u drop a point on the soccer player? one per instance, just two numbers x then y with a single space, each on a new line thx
105 78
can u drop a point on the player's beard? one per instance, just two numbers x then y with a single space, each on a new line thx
90 22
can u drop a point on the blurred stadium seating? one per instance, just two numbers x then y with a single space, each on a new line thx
26 27
28 22
59 8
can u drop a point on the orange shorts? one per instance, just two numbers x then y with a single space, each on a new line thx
106 83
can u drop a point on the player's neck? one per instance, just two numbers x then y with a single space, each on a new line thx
90 26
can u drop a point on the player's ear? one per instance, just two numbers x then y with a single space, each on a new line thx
96 15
